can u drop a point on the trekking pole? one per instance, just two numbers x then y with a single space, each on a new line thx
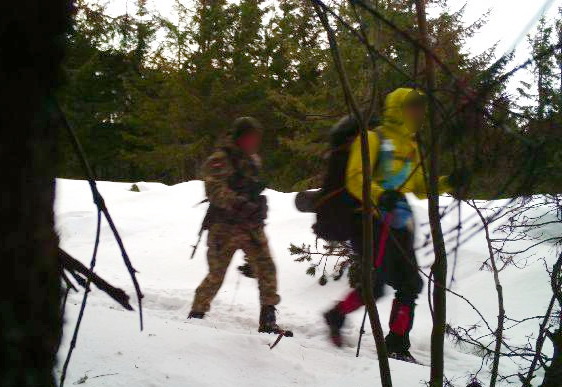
361 332
378 261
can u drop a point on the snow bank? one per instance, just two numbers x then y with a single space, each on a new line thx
160 223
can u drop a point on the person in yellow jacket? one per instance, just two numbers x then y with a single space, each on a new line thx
395 162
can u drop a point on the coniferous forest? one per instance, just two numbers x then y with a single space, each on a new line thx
150 96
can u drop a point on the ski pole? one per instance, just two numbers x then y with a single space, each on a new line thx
378 262
361 332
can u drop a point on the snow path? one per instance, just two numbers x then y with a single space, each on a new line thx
159 225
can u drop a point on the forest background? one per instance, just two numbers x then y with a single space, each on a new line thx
149 96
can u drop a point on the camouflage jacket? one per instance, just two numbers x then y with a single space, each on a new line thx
234 188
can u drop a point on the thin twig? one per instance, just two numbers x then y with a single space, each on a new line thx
100 203
83 306
386 379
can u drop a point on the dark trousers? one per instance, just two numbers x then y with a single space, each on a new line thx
395 265
398 266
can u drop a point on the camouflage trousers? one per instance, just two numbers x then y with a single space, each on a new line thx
223 241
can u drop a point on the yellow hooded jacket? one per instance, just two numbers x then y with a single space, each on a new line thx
400 136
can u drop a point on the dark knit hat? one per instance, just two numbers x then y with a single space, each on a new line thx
242 125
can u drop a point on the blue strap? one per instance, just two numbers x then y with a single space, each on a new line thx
394 180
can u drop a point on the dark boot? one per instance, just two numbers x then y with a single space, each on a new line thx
198 315
268 321
335 319
398 346
398 340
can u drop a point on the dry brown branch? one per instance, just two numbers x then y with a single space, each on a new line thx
76 267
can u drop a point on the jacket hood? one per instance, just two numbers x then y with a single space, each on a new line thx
393 116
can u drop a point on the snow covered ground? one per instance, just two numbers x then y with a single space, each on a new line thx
158 226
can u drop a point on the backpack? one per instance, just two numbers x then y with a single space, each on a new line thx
335 208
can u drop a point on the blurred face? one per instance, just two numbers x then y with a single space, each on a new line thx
250 142
414 113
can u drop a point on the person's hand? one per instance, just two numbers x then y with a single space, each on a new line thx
394 205
389 199
402 216
246 270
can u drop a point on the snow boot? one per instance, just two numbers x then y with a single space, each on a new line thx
398 346
268 322
197 315
403 356
335 319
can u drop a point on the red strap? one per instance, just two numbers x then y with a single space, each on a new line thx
383 239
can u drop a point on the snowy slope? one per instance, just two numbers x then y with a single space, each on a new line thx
160 223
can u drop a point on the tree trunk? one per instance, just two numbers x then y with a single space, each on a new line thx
439 267
553 374
31 47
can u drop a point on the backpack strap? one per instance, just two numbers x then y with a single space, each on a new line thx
390 180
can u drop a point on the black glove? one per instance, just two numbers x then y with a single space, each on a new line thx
389 198
246 270
254 188
459 179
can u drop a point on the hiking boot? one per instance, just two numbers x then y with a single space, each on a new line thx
398 346
268 322
198 315
402 356
335 319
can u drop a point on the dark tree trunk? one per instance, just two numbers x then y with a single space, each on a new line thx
553 374
31 46
439 267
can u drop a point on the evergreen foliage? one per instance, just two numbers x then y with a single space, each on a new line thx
151 95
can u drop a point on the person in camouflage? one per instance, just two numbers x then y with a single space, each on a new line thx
235 220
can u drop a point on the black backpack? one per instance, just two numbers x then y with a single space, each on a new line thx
335 208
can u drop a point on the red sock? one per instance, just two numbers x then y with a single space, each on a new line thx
352 302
